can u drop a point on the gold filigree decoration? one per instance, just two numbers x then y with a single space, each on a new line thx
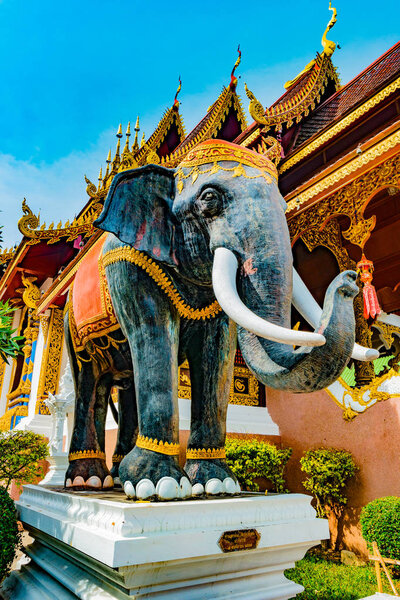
6 255
51 361
30 334
17 411
256 109
271 148
292 108
29 223
155 445
44 322
117 458
363 159
31 295
350 200
82 454
365 396
244 389
325 136
129 254
205 453
210 126
387 332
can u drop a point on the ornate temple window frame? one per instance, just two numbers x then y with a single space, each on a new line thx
316 225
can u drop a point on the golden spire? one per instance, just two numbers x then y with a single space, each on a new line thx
100 178
142 143
176 101
108 160
234 79
135 146
128 133
328 45
119 132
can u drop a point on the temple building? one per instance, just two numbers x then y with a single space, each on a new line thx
337 150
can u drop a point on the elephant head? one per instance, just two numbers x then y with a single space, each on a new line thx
218 220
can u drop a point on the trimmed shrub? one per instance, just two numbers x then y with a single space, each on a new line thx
20 456
329 471
253 459
10 537
380 523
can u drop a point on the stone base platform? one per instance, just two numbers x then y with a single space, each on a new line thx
94 545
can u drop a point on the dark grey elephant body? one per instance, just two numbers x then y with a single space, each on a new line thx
180 227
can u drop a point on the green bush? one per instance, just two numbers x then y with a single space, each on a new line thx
252 459
329 471
10 537
10 344
380 523
20 453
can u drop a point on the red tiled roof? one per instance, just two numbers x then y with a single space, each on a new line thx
358 89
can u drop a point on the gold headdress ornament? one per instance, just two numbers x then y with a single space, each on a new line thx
213 152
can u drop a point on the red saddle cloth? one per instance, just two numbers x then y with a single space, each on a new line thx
91 311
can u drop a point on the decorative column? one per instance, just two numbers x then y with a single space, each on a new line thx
58 406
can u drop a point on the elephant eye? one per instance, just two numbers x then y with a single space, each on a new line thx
210 203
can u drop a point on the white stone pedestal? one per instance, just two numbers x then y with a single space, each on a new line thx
93 545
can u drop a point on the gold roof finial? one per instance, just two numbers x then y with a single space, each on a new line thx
328 45
119 132
176 101
108 160
142 143
128 133
234 79
135 146
100 178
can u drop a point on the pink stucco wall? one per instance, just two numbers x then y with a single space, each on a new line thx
313 420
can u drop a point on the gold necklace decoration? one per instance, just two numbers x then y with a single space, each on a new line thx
216 151
129 254
161 447
205 453
80 454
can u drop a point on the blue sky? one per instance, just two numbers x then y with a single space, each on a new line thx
72 71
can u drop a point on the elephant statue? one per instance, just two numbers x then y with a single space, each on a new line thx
195 259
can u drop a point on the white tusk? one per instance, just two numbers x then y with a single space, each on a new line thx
224 284
308 307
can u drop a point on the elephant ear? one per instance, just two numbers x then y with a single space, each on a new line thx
138 211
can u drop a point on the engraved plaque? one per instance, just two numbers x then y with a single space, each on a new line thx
239 539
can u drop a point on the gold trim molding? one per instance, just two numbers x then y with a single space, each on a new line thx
205 453
355 164
161 447
340 126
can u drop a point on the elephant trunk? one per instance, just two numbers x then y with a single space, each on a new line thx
263 333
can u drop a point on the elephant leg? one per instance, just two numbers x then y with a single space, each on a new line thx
210 353
127 428
91 470
151 326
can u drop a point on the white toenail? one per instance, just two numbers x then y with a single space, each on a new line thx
108 482
229 485
167 488
197 489
94 481
214 486
129 489
145 489
186 488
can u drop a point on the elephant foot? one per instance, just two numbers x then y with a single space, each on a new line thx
145 474
88 473
211 477
115 474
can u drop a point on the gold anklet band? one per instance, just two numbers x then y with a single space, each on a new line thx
206 453
117 458
86 454
156 446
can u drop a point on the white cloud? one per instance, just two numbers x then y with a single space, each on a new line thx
56 189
